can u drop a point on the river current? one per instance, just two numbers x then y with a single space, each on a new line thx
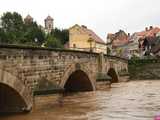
134 100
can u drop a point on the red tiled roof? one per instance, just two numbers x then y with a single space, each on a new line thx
118 39
148 33
152 32
110 36
93 35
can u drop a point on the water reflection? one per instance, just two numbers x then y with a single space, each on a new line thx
136 100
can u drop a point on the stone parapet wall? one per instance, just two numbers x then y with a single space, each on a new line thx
33 65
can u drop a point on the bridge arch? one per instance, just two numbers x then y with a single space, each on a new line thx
113 74
14 95
78 79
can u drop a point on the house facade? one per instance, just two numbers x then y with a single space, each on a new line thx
146 39
84 39
139 44
117 42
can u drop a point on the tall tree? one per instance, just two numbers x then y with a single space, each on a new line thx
2 36
52 42
33 34
62 35
12 24
16 31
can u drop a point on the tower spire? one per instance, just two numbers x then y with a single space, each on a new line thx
48 24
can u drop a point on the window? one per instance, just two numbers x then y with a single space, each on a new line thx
74 45
50 26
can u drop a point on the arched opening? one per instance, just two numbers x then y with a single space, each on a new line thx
112 73
10 100
78 81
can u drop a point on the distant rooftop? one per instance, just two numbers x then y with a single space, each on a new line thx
148 32
92 34
49 18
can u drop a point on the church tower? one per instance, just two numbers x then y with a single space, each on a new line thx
28 19
48 24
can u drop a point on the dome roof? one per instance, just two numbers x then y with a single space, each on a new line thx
49 18
28 17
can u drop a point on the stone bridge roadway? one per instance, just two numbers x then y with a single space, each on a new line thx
23 68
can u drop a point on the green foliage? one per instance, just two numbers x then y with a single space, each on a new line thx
134 57
33 34
53 42
57 38
2 36
142 68
138 62
15 31
62 35
157 41
12 24
108 51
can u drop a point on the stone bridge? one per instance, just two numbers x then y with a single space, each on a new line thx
23 68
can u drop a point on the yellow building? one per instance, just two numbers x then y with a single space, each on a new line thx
82 38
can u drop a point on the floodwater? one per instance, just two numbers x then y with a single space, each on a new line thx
134 100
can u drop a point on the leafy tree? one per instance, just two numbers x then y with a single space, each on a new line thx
62 35
2 36
12 24
33 34
15 31
53 42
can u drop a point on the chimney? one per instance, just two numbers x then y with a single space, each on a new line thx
146 28
151 27
84 26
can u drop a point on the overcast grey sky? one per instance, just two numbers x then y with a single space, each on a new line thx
103 16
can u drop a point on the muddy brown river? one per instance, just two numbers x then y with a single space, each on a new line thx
134 100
